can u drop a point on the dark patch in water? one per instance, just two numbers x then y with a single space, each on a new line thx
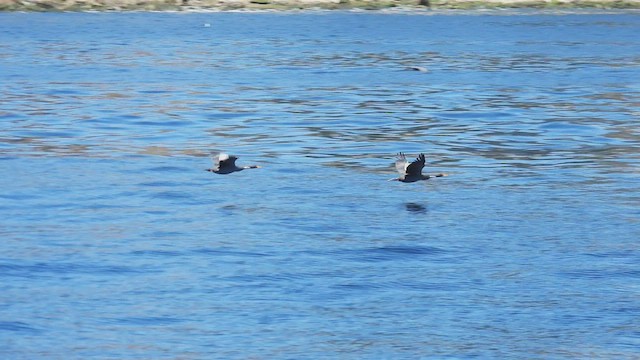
156 253
416 208
594 274
167 169
159 183
389 253
29 270
411 250
18 326
172 195
148 321
229 252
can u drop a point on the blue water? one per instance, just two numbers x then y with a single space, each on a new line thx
116 244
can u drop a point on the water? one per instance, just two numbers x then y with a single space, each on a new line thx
116 244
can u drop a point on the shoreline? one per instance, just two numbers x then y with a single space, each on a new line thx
288 5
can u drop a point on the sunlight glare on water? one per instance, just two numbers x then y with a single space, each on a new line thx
117 243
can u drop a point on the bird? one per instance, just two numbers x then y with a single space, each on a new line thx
412 172
418 68
226 164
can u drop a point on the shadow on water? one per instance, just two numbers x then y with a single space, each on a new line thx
415 208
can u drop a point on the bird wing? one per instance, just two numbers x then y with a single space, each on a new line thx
222 161
415 168
216 163
401 164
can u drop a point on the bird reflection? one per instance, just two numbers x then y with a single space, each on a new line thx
416 208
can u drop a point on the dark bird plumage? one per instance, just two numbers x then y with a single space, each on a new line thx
412 172
226 164
418 68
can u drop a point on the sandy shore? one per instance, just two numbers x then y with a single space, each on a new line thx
195 5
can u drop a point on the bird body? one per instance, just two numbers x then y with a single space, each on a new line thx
412 172
418 68
409 171
226 164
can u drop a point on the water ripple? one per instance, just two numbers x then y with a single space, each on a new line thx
29 270
118 244
18 327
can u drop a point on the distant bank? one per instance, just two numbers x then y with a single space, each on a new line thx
195 5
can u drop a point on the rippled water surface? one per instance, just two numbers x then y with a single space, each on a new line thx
116 243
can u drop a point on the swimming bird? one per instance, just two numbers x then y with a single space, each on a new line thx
418 68
412 172
226 164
